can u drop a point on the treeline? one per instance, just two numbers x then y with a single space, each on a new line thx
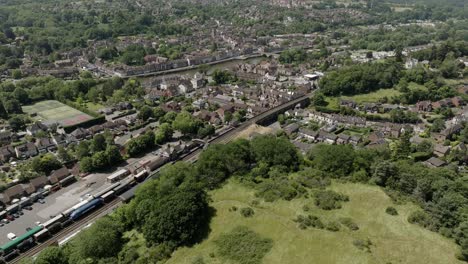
173 210
361 78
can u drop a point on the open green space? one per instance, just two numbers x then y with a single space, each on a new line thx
94 106
374 97
393 239
51 111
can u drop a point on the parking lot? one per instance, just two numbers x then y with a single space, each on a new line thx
55 203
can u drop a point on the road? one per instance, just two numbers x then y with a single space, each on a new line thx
192 157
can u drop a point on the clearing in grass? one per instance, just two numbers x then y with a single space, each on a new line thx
52 111
367 233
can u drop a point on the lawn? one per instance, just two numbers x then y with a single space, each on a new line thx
52 111
94 106
373 97
393 239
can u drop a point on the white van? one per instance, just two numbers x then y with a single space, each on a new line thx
11 236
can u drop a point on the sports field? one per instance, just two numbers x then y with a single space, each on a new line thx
52 111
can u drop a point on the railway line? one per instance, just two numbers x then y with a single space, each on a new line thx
192 156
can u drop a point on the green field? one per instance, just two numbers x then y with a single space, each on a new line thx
374 97
52 111
394 239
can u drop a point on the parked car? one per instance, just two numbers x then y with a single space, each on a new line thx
29 208
9 217
28 229
41 201
15 215
11 236
5 221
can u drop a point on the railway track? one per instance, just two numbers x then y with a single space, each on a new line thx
225 137
65 232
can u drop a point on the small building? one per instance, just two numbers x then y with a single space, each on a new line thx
434 162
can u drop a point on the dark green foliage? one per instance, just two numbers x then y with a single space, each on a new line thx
391 211
141 144
222 77
243 246
333 226
247 212
163 134
363 244
349 223
419 217
275 151
186 123
172 209
218 162
293 56
329 200
309 221
102 240
278 188
45 164
336 160
361 78
51 255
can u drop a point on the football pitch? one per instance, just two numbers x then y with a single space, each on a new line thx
52 111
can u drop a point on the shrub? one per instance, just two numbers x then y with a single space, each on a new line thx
420 218
333 226
363 244
329 200
247 212
391 211
309 221
243 246
349 223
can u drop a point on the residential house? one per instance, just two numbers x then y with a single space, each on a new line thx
441 150
60 140
291 128
434 162
58 175
308 134
26 150
326 137
36 184
6 137
80 134
45 144
343 139
15 191
424 106
7 153
35 128
376 136
355 140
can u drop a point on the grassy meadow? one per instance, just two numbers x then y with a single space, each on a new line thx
394 240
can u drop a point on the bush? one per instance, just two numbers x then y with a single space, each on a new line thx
247 212
243 246
363 244
329 200
309 221
349 223
420 218
333 226
391 211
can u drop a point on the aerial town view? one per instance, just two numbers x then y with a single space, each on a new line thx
234 131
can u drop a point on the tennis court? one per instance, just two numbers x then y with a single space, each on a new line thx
52 111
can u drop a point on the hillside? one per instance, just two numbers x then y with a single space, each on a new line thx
393 239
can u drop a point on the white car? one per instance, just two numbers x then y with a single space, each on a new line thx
11 236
